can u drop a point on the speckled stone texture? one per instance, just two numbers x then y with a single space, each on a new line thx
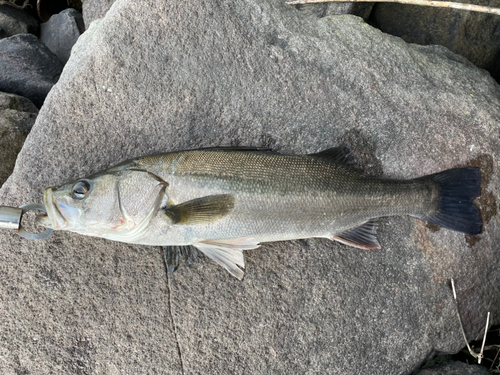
17 116
95 9
161 76
474 35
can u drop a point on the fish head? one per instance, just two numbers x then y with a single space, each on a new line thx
116 204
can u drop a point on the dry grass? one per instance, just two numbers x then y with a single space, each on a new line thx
13 3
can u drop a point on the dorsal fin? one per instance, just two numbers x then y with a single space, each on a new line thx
362 237
338 155
201 210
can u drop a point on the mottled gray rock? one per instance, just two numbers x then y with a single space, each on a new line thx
456 368
95 9
473 35
61 32
154 77
13 102
16 21
27 67
17 116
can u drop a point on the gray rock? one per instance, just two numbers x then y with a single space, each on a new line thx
61 32
13 102
456 368
473 35
16 21
160 76
95 9
17 116
27 67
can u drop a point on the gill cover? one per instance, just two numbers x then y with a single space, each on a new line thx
116 204
139 196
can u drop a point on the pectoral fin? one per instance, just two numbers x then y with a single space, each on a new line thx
362 237
201 210
228 253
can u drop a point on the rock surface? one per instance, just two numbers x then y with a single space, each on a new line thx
16 21
17 116
27 67
473 35
161 76
456 368
61 32
95 9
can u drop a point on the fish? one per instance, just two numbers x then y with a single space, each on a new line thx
223 201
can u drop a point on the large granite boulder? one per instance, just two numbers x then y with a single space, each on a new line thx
95 9
27 67
17 116
155 77
473 35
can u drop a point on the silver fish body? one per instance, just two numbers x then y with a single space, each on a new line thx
223 201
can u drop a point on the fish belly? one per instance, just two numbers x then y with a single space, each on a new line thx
278 217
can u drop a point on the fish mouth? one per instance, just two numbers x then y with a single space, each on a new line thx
54 218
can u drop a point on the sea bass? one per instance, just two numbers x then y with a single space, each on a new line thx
225 200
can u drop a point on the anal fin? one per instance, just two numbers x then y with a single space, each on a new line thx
362 237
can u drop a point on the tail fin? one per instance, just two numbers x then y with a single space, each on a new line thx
458 188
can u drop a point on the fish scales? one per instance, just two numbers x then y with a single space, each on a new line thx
281 197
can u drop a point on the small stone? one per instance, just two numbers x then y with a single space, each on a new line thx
61 32
16 21
27 67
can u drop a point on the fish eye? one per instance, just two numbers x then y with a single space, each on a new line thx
80 190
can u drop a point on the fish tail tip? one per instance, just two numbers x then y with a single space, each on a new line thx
458 188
